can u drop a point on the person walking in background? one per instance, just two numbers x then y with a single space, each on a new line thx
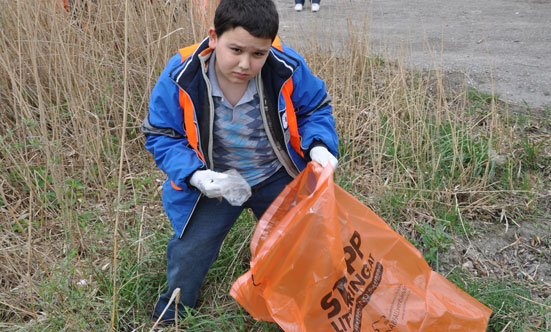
299 5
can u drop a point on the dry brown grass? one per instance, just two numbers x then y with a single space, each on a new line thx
67 80
72 185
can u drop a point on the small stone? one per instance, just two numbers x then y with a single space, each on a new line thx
467 265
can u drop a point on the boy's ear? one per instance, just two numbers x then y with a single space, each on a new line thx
212 38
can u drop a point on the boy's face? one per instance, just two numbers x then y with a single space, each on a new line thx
239 55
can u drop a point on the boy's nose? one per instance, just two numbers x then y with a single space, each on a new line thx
244 62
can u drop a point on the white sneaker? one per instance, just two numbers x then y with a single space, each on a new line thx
315 7
298 7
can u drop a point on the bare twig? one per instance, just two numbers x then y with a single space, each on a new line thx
511 244
29 252
506 326
121 163
174 297
532 301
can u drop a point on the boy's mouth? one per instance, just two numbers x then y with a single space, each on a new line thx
240 75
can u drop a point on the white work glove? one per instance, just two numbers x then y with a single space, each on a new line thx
210 183
321 155
229 185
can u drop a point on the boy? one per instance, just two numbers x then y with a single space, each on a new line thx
232 102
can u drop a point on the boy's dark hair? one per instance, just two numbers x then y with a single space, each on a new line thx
258 17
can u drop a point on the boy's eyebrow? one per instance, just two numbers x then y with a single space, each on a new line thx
261 49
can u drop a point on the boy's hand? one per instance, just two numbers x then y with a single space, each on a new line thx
321 155
210 183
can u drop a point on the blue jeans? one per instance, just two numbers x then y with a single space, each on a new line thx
190 257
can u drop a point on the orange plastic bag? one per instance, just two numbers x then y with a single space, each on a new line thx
323 261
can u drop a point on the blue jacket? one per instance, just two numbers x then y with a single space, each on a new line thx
294 104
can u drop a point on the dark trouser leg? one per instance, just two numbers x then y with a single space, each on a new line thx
264 193
190 257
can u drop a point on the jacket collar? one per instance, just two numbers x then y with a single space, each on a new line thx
280 63
184 74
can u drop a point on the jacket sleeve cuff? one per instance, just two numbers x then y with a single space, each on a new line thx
186 180
316 142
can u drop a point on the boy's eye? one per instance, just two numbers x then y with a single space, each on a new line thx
235 50
259 54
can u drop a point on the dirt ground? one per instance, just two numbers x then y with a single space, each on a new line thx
502 46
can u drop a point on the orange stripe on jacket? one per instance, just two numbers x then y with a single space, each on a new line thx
289 108
187 107
291 117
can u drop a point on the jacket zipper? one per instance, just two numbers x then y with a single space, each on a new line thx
211 110
190 214
209 147
291 169
203 153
